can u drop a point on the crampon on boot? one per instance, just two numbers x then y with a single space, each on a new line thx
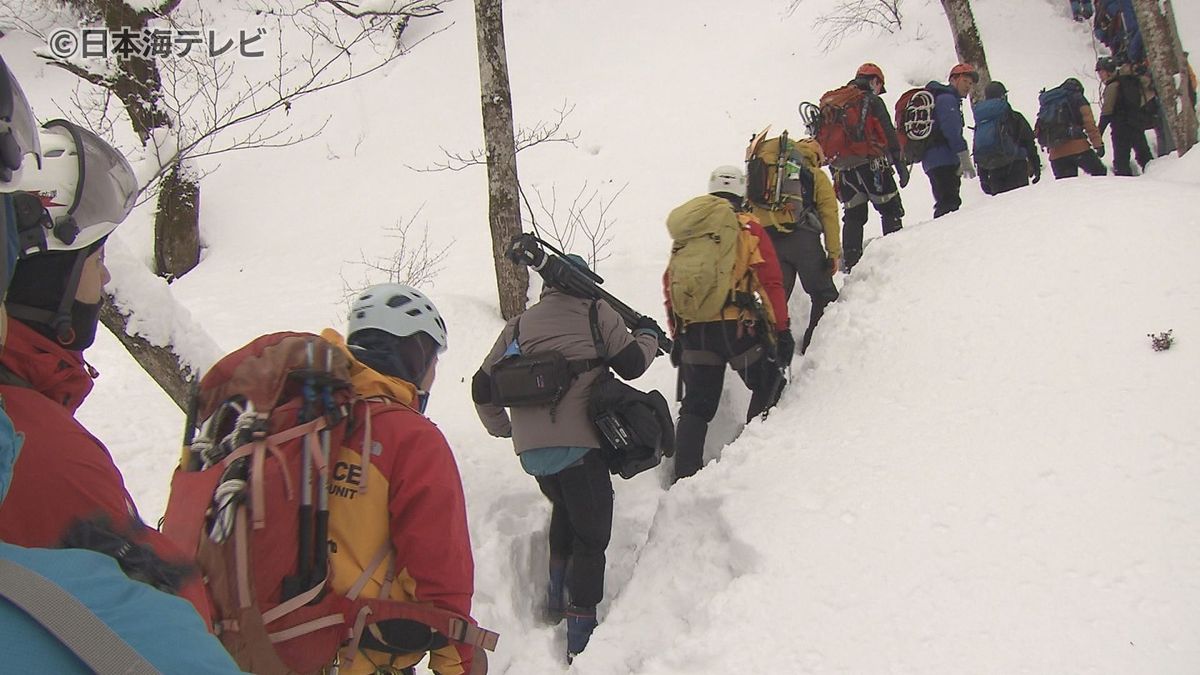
581 622
556 598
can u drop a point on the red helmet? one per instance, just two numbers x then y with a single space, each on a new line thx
872 70
965 69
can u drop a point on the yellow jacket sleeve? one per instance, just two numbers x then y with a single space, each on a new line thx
827 209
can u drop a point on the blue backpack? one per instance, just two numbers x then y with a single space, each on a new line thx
995 140
1058 118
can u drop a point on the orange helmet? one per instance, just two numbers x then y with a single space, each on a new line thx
965 69
872 70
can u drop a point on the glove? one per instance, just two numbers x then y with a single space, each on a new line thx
831 264
1100 150
785 344
902 173
676 353
648 326
1037 173
965 166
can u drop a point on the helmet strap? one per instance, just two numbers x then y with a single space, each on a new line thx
59 321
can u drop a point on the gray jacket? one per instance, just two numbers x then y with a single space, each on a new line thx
560 322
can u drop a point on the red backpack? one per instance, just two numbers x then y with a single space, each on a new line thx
242 504
847 130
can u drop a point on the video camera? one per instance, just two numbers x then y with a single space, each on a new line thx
560 272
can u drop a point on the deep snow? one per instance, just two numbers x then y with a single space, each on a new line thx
981 466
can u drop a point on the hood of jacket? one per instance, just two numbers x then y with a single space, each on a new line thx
57 373
370 383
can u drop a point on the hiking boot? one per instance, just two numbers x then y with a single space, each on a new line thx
556 597
580 624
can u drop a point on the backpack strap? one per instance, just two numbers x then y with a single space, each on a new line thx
597 338
7 376
71 622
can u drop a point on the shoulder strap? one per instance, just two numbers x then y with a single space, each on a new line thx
69 620
517 332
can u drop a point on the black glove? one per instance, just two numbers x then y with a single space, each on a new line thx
903 173
1037 173
785 344
1100 150
677 353
647 325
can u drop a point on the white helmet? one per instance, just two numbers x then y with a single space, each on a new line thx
18 129
398 309
728 179
86 186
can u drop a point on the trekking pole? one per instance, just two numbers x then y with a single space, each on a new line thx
295 585
321 550
780 169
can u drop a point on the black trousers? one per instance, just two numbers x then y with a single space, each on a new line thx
1005 178
707 348
802 256
856 188
946 184
1068 167
581 524
1128 139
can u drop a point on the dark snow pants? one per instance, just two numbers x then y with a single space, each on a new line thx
856 188
1127 138
801 255
1008 177
707 347
581 524
1068 167
946 184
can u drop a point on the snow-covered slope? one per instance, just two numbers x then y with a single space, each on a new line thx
981 466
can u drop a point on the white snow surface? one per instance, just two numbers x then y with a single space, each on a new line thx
980 466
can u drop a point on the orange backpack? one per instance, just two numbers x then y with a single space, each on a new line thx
242 504
847 130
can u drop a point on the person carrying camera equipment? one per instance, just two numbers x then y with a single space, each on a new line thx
568 341
725 305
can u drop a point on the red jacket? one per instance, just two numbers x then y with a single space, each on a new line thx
413 500
63 473
767 271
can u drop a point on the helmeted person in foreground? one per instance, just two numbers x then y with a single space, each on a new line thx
862 181
949 159
65 209
738 317
557 442
131 626
394 337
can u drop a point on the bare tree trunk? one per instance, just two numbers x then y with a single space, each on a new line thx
504 206
163 364
1164 52
139 86
967 43
176 237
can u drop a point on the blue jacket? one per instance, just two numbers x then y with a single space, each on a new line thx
948 126
164 629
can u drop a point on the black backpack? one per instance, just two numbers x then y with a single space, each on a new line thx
1133 106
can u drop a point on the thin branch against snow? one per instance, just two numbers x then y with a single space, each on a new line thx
586 217
413 260
370 8
526 137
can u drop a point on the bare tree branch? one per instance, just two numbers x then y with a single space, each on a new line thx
526 137
851 16
585 216
413 261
